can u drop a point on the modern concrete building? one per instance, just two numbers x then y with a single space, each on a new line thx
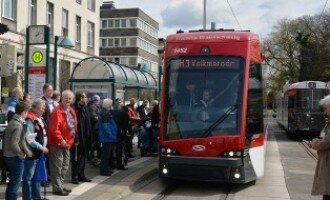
78 20
129 36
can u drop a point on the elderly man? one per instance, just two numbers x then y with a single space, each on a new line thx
37 140
322 146
61 133
17 95
108 134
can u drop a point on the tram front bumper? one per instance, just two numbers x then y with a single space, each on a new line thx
203 168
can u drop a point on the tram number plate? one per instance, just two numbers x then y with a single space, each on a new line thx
311 84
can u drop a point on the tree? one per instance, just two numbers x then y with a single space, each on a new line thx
314 48
298 50
281 53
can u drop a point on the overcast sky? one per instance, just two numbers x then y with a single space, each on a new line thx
257 15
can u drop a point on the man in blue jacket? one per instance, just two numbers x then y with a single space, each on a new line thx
17 95
108 135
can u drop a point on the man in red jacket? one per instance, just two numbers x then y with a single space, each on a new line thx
61 133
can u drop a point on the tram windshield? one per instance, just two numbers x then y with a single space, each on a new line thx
309 98
201 94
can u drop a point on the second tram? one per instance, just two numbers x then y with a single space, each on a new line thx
298 107
212 123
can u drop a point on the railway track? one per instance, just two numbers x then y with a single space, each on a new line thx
150 187
197 190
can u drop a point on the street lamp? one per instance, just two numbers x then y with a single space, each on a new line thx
65 42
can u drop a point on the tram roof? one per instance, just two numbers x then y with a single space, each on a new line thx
213 35
309 84
96 69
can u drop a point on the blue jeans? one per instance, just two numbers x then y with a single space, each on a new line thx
15 168
30 188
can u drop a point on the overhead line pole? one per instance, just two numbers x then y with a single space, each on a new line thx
204 18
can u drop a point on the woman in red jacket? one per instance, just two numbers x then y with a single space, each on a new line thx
61 133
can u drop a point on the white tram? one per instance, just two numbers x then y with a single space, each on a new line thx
298 107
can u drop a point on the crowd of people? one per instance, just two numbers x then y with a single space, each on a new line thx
68 129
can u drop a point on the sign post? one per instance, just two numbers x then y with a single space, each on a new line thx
37 59
37 72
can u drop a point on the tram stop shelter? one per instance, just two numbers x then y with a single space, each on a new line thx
111 80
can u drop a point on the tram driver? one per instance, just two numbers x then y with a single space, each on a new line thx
204 106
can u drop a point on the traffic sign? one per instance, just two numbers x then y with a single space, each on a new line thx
37 57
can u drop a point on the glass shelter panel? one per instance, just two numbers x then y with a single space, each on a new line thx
92 69
131 77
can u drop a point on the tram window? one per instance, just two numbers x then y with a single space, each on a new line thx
291 102
255 100
198 96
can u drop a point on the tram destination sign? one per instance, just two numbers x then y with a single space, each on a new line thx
218 62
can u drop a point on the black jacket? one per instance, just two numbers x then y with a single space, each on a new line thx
155 118
84 124
121 118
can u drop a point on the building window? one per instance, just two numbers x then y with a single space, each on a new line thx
117 42
117 60
50 17
110 23
91 5
117 23
32 12
65 23
132 22
8 9
110 42
123 42
78 29
104 23
103 42
90 34
123 23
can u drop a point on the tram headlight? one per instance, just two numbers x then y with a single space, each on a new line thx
165 171
307 115
237 175
232 154
168 151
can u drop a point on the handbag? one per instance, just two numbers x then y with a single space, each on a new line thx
40 174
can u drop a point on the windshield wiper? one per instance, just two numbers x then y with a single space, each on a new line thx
222 118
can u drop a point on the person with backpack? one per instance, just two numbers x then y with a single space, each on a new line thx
108 132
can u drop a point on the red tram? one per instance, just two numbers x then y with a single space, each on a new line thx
212 103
